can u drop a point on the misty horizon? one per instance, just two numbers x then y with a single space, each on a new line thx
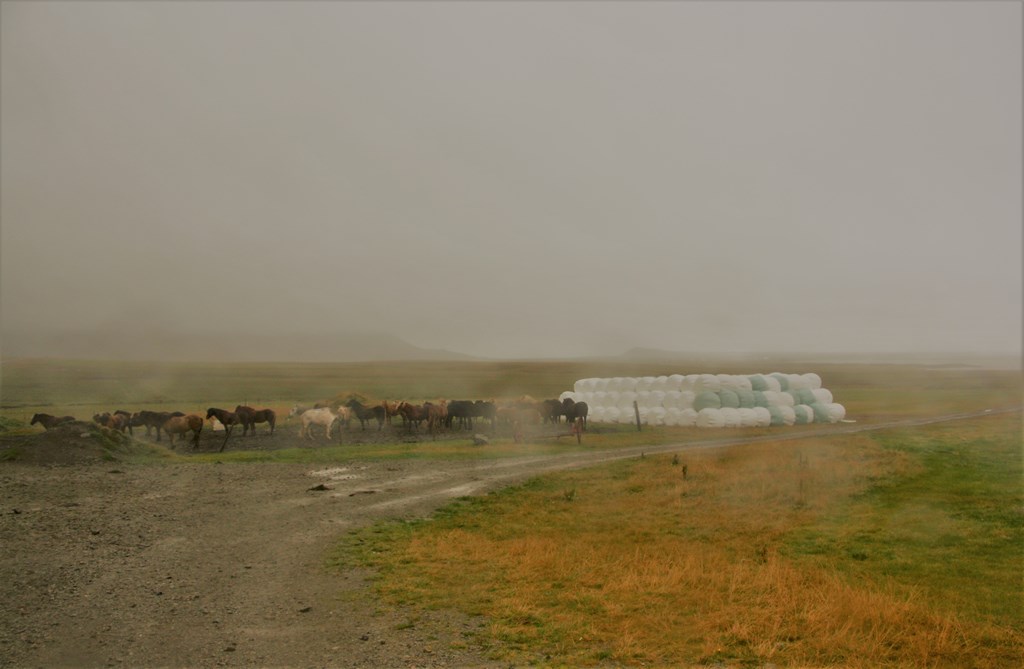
512 180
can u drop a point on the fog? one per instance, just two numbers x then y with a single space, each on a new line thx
515 179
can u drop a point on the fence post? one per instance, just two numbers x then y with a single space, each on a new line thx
636 410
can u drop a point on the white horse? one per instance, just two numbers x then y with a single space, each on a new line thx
324 417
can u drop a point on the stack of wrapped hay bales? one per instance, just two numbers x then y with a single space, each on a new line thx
710 400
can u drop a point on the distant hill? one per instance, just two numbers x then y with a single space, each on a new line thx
157 345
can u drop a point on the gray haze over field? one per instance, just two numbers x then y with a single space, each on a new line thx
513 179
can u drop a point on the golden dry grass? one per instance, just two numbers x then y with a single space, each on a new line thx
631 564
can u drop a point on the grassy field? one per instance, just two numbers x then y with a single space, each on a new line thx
901 548
871 393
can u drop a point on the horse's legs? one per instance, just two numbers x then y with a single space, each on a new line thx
227 433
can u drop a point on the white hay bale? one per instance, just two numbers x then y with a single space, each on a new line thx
773 383
567 395
822 395
731 417
599 398
626 399
595 414
656 416
748 417
644 383
675 382
657 398
611 398
762 417
707 382
672 399
687 417
611 414
671 417
660 383
812 380
786 399
686 398
798 382
710 418
788 414
836 412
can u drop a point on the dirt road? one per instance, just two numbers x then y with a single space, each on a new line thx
198 565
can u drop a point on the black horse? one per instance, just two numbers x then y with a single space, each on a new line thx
227 418
48 421
365 413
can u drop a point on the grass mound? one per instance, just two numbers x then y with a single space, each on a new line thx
71 444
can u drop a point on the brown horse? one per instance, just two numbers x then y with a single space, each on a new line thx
151 419
365 413
117 421
180 425
228 419
48 421
249 417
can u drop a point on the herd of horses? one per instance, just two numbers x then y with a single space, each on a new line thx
448 415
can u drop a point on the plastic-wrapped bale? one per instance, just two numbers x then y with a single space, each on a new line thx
660 383
707 382
657 398
610 414
736 382
611 398
748 417
643 398
626 399
671 400
595 414
781 379
602 385
600 398
761 398
746 398
823 395
656 416
675 382
820 413
804 414
686 399
763 417
730 417
644 383
629 384
687 417
645 413
710 418
581 386
788 415
786 399
776 416
729 398
797 382
813 380
803 395
836 412
707 399
691 382
567 395
671 416
773 383
758 382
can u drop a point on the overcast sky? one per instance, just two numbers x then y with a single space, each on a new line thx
518 179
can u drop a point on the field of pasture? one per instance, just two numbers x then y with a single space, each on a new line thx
896 546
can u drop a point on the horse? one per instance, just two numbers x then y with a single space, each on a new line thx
390 409
579 410
151 419
437 414
228 419
249 417
49 422
412 414
182 424
551 410
365 413
323 416
117 421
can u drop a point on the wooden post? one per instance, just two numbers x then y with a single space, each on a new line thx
636 410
